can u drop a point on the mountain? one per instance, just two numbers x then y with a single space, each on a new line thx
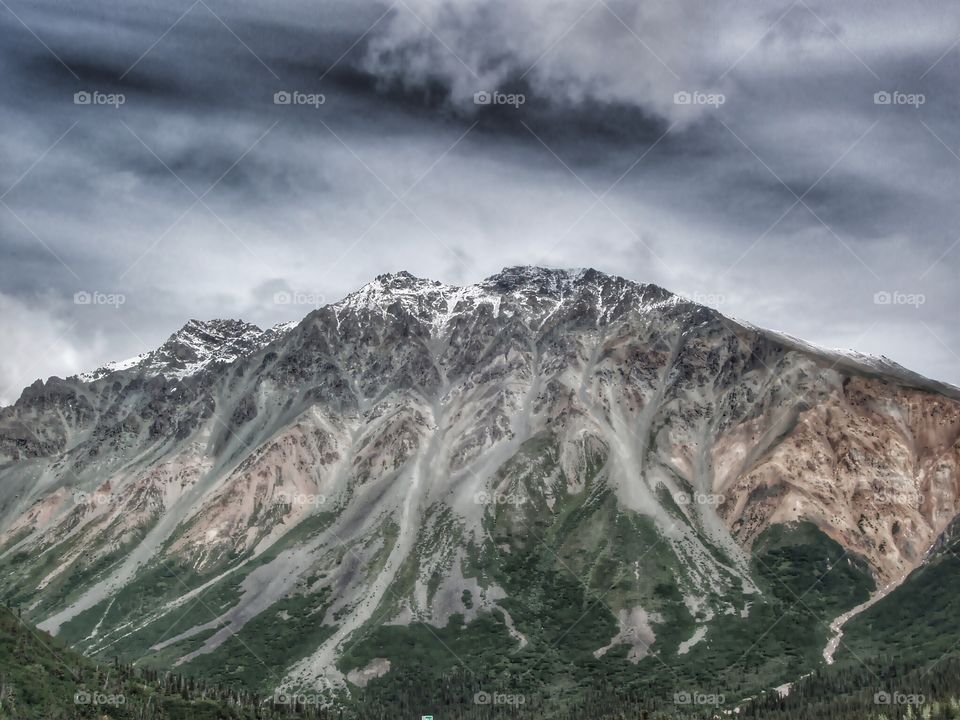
561 483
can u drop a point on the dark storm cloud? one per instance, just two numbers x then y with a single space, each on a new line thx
398 168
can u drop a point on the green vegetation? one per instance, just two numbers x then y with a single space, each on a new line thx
23 571
284 633
568 565
149 592
434 652
875 690
164 581
43 679
805 580
560 591
917 622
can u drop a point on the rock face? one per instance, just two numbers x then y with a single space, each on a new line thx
387 460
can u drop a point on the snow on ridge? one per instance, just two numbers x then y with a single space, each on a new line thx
195 346
430 301
538 290
436 303
111 367
879 364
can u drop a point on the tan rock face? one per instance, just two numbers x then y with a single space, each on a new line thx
875 466
274 488
83 527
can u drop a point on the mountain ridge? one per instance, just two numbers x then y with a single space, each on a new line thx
238 338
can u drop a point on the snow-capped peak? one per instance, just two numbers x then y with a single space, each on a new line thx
534 291
198 344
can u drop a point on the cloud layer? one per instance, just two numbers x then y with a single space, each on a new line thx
792 203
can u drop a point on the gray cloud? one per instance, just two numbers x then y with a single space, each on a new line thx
304 199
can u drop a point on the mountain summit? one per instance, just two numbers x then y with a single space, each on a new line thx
557 472
195 346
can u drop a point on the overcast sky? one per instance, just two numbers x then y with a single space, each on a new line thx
786 192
